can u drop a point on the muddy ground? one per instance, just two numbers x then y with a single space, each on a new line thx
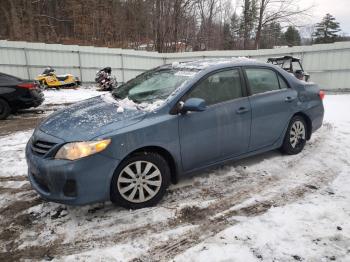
27 119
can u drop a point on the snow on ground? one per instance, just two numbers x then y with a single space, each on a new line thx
313 229
54 100
269 207
66 96
316 228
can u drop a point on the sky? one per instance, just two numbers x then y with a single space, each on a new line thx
338 8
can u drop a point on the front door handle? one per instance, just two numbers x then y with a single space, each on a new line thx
289 99
242 110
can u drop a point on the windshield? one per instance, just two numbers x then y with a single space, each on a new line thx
154 85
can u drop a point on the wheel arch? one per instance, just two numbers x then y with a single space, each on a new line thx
162 152
8 101
5 99
308 123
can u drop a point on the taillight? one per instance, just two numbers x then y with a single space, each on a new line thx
321 94
27 85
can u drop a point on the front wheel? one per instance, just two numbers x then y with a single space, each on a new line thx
140 181
295 138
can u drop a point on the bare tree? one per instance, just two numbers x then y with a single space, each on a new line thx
269 11
162 25
207 11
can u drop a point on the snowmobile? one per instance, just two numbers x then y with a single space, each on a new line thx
290 64
49 79
105 80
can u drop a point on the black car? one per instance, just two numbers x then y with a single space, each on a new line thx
16 93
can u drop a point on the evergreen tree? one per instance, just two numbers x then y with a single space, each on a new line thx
292 36
327 30
235 25
248 21
271 35
227 37
235 29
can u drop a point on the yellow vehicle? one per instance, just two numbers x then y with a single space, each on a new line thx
49 79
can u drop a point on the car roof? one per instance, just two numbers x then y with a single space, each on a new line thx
10 76
214 63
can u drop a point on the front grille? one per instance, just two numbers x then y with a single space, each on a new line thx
42 147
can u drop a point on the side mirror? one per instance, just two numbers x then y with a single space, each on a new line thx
194 105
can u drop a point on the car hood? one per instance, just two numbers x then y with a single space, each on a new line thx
89 119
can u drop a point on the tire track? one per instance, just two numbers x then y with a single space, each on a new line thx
216 223
226 188
58 249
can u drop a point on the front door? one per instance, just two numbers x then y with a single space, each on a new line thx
222 130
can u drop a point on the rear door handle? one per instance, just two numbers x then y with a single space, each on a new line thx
242 110
289 99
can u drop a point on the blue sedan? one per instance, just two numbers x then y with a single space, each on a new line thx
168 122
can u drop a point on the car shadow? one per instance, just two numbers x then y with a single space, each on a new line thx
247 161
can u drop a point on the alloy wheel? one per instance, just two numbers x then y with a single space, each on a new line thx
297 134
139 181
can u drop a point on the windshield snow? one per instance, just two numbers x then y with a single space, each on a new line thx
154 85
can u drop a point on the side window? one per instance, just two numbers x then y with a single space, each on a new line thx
261 80
218 87
283 84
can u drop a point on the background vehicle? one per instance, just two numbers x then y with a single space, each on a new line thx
104 79
290 64
16 93
210 112
49 79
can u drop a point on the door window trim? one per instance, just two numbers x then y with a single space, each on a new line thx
244 89
249 90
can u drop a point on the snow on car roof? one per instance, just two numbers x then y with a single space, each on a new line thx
206 63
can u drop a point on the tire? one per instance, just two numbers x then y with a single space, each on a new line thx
130 190
5 109
295 138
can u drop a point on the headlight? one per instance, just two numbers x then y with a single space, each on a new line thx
76 150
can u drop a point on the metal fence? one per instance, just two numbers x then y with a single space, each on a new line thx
328 64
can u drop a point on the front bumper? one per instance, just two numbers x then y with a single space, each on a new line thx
77 182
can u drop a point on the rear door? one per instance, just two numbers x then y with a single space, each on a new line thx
273 103
222 130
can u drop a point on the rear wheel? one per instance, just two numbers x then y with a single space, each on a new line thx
5 109
140 181
295 138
